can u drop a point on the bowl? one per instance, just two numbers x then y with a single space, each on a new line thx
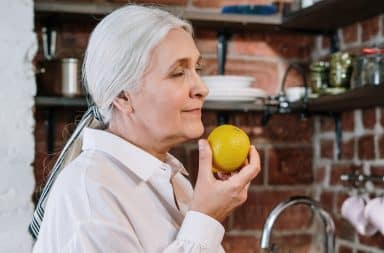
295 93
227 81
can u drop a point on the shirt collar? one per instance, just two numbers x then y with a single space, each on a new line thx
143 164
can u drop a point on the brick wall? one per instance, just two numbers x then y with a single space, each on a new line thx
292 163
362 144
17 48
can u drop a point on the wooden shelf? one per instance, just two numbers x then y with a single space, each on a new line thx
328 15
365 97
202 18
43 101
360 98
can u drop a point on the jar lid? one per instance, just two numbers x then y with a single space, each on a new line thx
69 60
373 50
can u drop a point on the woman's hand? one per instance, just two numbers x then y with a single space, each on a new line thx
217 198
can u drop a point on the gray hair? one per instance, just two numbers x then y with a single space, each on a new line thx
119 51
117 55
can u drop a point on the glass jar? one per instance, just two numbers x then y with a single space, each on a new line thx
374 66
319 76
340 70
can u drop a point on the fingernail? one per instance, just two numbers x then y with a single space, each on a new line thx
201 144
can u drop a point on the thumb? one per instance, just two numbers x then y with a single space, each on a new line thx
205 159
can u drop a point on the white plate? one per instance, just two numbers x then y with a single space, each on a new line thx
231 98
227 81
239 92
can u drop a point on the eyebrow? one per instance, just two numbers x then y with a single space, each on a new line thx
183 61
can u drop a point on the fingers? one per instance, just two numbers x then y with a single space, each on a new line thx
205 159
248 172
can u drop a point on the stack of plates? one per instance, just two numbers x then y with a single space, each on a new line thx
232 88
235 94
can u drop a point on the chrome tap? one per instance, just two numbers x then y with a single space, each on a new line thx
329 225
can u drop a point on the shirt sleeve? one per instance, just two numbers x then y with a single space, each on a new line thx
198 233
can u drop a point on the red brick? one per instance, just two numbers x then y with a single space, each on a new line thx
325 44
337 170
369 118
381 146
253 213
378 171
348 121
382 111
298 243
272 45
320 175
345 249
343 229
326 149
289 128
193 165
364 251
220 3
241 244
327 199
245 120
350 33
348 149
327 124
370 28
264 72
206 41
294 79
180 153
259 180
366 147
290 166
209 118
373 241
340 198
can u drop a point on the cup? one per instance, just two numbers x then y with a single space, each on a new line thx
374 213
353 210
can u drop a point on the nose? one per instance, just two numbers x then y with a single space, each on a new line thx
199 89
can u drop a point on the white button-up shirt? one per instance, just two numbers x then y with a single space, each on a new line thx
115 197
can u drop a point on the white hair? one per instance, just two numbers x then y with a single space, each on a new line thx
119 50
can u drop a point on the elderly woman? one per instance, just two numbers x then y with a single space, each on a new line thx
120 189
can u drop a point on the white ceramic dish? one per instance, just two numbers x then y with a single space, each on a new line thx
252 92
294 93
227 81
244 94
231 98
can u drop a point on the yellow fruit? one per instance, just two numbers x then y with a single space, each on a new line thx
230 146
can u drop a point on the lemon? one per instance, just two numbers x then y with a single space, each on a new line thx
230 146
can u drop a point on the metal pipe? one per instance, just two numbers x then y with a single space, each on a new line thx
329 225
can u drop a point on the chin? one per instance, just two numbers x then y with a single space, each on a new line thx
195 130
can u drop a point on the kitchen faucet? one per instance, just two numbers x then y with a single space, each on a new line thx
329 225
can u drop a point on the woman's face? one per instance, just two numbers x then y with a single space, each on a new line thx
167 106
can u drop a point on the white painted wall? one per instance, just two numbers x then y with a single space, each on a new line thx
18 46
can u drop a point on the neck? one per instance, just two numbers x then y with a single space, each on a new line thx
140 139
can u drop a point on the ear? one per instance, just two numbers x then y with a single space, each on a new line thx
123 102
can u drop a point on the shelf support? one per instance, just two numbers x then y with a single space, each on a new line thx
339 134
222 42
222 118
50 129
334 41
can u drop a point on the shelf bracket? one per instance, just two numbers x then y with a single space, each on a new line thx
339 134
334 41
222 118
222 42
50 129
